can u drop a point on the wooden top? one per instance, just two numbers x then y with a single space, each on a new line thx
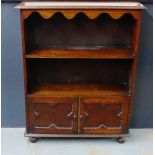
80 5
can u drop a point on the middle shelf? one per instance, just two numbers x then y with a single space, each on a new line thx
91 53
77 90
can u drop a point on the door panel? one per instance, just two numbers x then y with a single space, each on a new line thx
52 115
99 115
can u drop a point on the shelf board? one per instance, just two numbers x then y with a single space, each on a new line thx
106 53
77 90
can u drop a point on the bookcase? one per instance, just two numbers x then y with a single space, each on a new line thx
79 67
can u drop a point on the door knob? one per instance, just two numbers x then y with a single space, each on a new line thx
74 116
81 116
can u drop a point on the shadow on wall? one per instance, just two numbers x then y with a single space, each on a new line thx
143 100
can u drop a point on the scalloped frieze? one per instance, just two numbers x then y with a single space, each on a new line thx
91 14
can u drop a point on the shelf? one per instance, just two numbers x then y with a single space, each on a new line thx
76 90
107 53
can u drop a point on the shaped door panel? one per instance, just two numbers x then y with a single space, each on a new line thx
103 115
52 115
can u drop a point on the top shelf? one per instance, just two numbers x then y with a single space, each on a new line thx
80 5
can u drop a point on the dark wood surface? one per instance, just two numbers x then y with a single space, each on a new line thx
53 115
79 89
78 71
98 53
76 90
99 115
92 32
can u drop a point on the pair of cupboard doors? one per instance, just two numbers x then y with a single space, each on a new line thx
79 115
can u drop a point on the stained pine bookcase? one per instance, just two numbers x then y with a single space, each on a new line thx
79 67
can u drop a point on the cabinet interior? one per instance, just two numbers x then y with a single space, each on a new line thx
78 33
78 75
80 37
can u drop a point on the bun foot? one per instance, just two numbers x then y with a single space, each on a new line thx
33 139
120 140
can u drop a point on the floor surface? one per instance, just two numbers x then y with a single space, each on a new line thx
14 143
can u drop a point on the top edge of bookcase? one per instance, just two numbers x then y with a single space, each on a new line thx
80 5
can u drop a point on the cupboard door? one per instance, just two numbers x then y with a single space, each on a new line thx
103 116
52 115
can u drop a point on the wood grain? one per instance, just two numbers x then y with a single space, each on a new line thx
54 115
110 53
110 116
76 90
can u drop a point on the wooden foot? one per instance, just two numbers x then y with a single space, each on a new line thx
33 139
120 140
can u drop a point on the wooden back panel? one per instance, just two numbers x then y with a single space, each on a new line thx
80 32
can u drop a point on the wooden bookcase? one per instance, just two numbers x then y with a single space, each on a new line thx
79 67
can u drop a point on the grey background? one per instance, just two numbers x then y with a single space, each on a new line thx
12 71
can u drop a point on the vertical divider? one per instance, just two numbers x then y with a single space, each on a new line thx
79 128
